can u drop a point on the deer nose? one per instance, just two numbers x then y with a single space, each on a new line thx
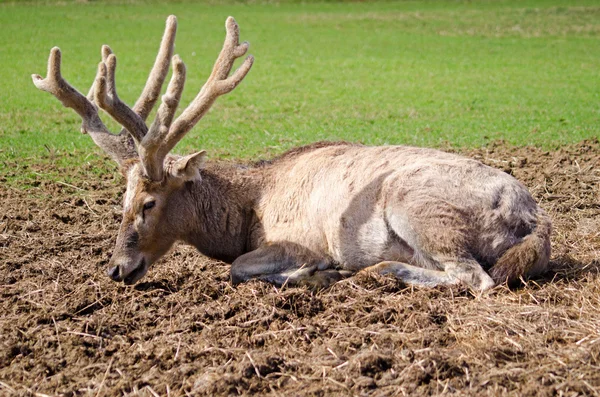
113 273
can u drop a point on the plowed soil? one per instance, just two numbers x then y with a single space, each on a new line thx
66 329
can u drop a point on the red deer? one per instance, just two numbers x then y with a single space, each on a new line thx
311 216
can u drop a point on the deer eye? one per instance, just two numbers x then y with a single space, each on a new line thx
149 205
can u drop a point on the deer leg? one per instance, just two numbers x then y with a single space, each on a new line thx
420 226
467 271
413 274
286 264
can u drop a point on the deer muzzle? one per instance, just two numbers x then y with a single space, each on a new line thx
129 277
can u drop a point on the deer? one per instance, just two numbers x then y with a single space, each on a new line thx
311 216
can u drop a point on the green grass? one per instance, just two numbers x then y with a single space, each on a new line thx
414 72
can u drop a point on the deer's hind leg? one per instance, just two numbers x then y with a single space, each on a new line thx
286 263
413 274
466 271
469 272
439 236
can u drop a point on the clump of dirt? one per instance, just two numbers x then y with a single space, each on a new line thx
67 330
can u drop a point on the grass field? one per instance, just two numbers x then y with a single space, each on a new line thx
418 73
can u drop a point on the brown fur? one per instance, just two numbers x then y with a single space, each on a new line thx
528 257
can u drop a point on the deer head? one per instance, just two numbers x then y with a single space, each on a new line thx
152 175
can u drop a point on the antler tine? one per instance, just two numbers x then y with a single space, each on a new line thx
162 122
105 95
170 101
217 84
134 121
57 86
118 147
158 74
105 52
230 52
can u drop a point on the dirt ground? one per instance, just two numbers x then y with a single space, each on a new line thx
66 329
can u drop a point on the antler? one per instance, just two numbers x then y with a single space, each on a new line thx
163 136
155 143
118 146
105 95
145 103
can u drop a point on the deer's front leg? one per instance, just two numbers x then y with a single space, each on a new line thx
286 264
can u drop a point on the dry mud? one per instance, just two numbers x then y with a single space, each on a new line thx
65 329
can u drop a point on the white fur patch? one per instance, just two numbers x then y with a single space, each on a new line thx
133 180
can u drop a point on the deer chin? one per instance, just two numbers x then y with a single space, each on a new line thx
129 273
137 273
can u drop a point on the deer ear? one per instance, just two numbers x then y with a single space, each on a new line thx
188 167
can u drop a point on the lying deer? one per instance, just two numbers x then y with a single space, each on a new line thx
311 216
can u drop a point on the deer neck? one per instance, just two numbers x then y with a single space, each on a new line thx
216 212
